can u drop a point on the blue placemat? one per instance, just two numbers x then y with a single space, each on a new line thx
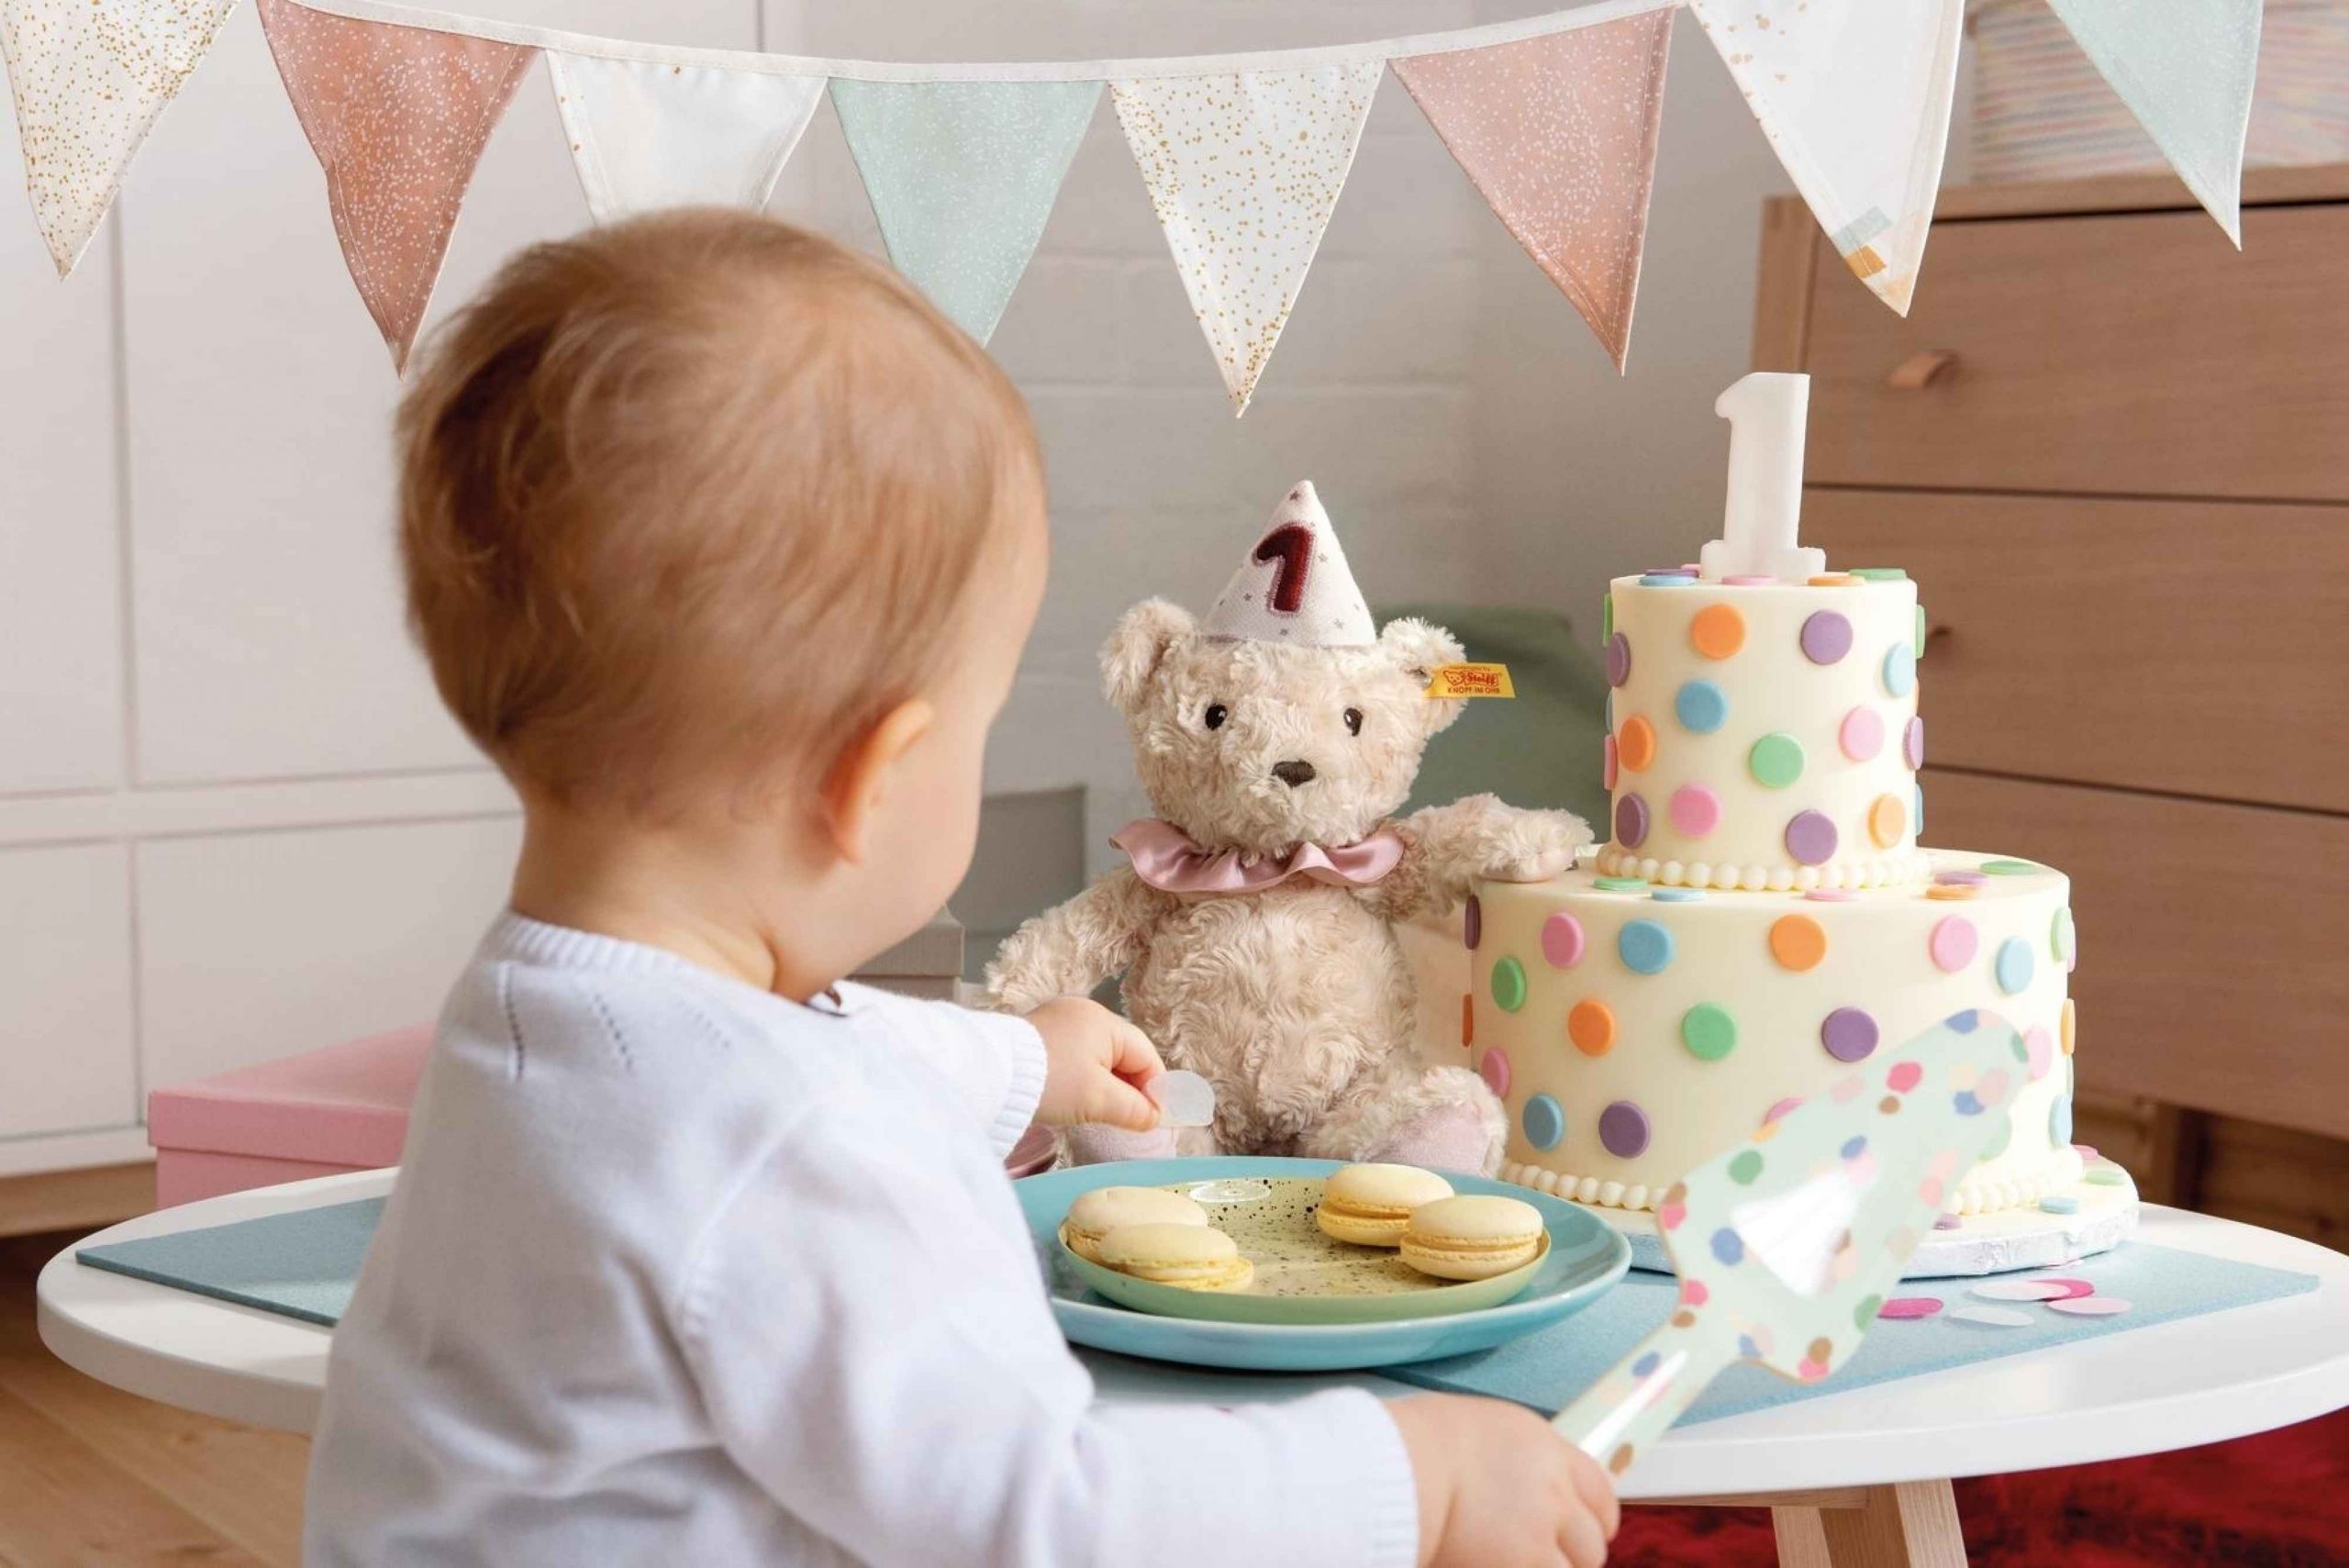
2162 1285
302 1265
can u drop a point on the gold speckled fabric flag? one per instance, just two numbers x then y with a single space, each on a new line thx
90 77
398 118
1854 97
1559 134
1244 172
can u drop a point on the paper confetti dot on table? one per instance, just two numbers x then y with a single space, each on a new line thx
1909 1307
1717 631
1645 946
1991 1316
1861 735
2018 1290
1701 707
1775 761
1636 743
1901 670
1912 742
1695 810
1887 820
2089 1306
1623 1131
1591 1025
1826 637
1812 837
1544 1122
2014 966
1495 1069
1798 942
1953 944
1849 1034
1632 822
1618 660
1509 984
1709 1031
1562 940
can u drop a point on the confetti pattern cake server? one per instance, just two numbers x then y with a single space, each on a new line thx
1787 1244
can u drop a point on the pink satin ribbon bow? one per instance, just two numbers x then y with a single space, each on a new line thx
1165 857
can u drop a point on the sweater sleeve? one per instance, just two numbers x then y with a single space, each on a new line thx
995 1062
874 1353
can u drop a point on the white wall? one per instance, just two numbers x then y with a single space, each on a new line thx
233 822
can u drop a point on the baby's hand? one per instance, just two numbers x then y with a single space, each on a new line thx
1094 1065
1500 1488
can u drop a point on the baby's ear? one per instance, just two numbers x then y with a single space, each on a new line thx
1416 647
1143 638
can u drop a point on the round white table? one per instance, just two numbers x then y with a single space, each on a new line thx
1860 1477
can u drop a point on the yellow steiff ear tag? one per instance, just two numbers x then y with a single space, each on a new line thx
1470 681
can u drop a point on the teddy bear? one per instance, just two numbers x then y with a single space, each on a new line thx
1254 922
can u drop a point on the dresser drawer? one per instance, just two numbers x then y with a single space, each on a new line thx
2183 646
2123 353
2210 939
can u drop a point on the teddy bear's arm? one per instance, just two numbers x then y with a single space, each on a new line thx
1475 839
1069 950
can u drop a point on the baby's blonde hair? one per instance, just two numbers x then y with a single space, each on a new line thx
693 500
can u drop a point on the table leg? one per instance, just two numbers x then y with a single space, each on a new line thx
1912 1525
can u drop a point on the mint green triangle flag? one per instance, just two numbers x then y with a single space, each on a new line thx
2185 69
963 177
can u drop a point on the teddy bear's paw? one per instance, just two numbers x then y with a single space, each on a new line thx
1540 845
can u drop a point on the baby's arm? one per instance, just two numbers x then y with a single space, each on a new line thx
874 1353
1069 950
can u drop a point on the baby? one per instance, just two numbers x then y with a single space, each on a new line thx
723 544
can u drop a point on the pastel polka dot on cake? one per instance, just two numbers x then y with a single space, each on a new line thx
1849 1034
1623 1131
1716 632
1709 1031
1606 616
1591 1025
2039 1051
1562 940
1610 764
1812 837
2059 1121
2062 940
1701 707
1645 946
1826 637
1887 820
1494 1069
1471 922
2066 1026
1901 670
1509 984
1618 660
1953 944
1632 820
1775 760
1695 810
2014 965
1912 742
1861 735
1636 743
1798 942
1544 1121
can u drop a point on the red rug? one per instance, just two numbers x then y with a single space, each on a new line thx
2278 1500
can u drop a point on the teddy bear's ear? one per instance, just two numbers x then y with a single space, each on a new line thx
1416 647
1145 635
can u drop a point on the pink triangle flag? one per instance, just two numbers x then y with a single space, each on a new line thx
398 116
1559 135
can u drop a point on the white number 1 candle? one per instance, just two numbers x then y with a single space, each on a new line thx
1765 412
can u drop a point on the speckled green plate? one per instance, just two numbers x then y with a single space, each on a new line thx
1317 1304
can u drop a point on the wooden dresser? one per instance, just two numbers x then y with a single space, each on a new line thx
2115 454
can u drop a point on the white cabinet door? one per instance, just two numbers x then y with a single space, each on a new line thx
66 1056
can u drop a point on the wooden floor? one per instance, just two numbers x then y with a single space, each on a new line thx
90 1475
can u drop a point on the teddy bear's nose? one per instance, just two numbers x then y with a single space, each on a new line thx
1293 774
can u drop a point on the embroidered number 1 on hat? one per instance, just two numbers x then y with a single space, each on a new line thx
1290 548
1295 586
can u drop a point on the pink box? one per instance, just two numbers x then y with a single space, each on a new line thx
340 1107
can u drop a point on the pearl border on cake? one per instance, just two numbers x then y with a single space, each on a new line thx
1900 870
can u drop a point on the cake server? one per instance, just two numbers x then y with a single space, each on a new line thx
1787 1244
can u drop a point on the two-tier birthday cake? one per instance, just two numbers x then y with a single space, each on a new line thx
1763 919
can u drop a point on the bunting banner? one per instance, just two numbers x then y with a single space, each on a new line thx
2186 72
963 177
1854 97
90 77
1244 172
398 116
645 136
1559 135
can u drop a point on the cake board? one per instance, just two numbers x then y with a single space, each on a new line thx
2027 1236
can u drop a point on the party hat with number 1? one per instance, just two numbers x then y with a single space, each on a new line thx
1786 1245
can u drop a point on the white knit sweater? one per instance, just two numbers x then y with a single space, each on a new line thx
678 1271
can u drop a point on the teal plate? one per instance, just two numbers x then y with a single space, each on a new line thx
1584 1259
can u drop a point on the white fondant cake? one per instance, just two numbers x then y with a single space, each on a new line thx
1763 919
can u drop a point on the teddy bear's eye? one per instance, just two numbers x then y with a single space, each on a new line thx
1215 715
1353 721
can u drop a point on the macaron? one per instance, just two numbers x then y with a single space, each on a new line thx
1192 1256
1472 1237
1368 1204
1104 1209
